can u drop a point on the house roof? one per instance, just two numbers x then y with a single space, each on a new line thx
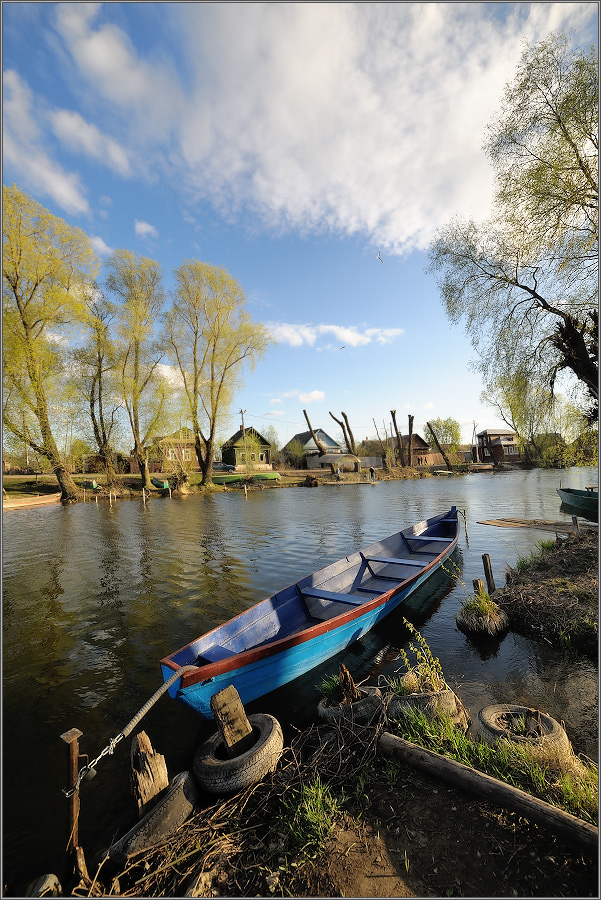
304 437
337 458
496 432
239 438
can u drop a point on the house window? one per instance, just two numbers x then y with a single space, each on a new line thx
510 450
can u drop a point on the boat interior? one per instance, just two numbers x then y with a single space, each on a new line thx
325 594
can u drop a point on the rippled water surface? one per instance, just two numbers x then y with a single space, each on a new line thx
94 595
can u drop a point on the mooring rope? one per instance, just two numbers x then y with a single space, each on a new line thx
89 770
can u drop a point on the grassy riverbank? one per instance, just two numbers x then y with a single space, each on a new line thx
552 595
339 819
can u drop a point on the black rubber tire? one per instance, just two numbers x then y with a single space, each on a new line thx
361 711
491 728
45 886
217 774
163 819
428 702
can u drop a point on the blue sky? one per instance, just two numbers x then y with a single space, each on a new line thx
289 143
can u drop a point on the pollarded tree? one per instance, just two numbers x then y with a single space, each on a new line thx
525 283
137 282
47 265
211 339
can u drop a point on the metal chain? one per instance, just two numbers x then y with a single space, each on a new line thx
109 749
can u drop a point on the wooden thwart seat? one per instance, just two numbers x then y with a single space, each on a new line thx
427 540
320 594
390 560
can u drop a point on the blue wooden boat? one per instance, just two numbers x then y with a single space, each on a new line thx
587 500
309 621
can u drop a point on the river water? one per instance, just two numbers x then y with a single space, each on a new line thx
94 595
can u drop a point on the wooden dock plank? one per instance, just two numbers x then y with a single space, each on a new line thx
540 524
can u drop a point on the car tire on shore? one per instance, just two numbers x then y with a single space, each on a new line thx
216 773
163 819
496 722
361 711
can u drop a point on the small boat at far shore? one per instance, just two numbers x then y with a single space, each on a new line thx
266 476
161 485
306 623
587 500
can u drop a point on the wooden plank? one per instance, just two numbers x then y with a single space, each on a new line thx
235 729
332 595
390 560
572 829
540 524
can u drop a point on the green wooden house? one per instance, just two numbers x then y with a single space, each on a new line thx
247 448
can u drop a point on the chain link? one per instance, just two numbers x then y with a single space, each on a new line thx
108 750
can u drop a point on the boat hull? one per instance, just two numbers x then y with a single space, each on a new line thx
588 501
270 664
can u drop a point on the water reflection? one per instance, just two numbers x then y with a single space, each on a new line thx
94 595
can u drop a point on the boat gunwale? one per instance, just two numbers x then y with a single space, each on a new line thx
244 658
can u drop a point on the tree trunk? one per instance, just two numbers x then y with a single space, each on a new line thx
320 447
69 490
410 448
344 432
440 450
398 438
353 446
384 455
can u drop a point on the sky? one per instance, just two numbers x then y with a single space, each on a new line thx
311 149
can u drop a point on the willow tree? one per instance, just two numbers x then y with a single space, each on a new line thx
137 283
46 267
525 283
95 374
212 339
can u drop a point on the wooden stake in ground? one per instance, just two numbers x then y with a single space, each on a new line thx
236 730
348 690
148 773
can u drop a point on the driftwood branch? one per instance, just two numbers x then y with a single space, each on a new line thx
570 828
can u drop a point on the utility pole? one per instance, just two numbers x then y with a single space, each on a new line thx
242 411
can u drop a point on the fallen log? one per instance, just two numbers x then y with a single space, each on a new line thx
568 827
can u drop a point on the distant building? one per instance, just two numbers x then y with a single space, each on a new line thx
498 446
309 446
247 447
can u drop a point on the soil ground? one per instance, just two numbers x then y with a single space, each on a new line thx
426 838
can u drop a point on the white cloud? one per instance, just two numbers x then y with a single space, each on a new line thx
352 118
349 336
143 229
24 149
80 136
312 397
100 247
428 406
274 412
171 374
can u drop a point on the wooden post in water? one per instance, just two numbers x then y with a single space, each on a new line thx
478 585
575 523
71 738
490 581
